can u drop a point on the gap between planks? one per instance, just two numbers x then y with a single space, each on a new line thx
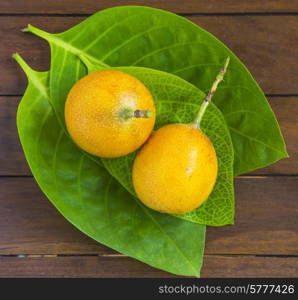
192 14
118 255
266 95
252 176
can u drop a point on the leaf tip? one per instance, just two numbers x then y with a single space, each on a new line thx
36 31
198 274
15 55
26 29
25 67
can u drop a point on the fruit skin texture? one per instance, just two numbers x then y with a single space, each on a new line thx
94 108
176 169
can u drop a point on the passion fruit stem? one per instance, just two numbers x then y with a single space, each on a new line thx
129 113
207 100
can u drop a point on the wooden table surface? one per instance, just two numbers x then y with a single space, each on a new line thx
36 241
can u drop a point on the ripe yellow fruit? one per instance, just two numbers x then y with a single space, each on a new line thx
176 169
109 113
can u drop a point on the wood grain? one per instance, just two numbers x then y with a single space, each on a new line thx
249 266
266 44
12 160
266 221
30 223
189 6
84 266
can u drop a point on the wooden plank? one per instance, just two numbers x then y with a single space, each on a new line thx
249 266
98 267
189 6
266 221
12 161
260 41
31 224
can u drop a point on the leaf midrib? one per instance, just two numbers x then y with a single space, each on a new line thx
168 237
56 40
256 140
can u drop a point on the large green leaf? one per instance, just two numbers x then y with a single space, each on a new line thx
178 101
143 36
91 199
